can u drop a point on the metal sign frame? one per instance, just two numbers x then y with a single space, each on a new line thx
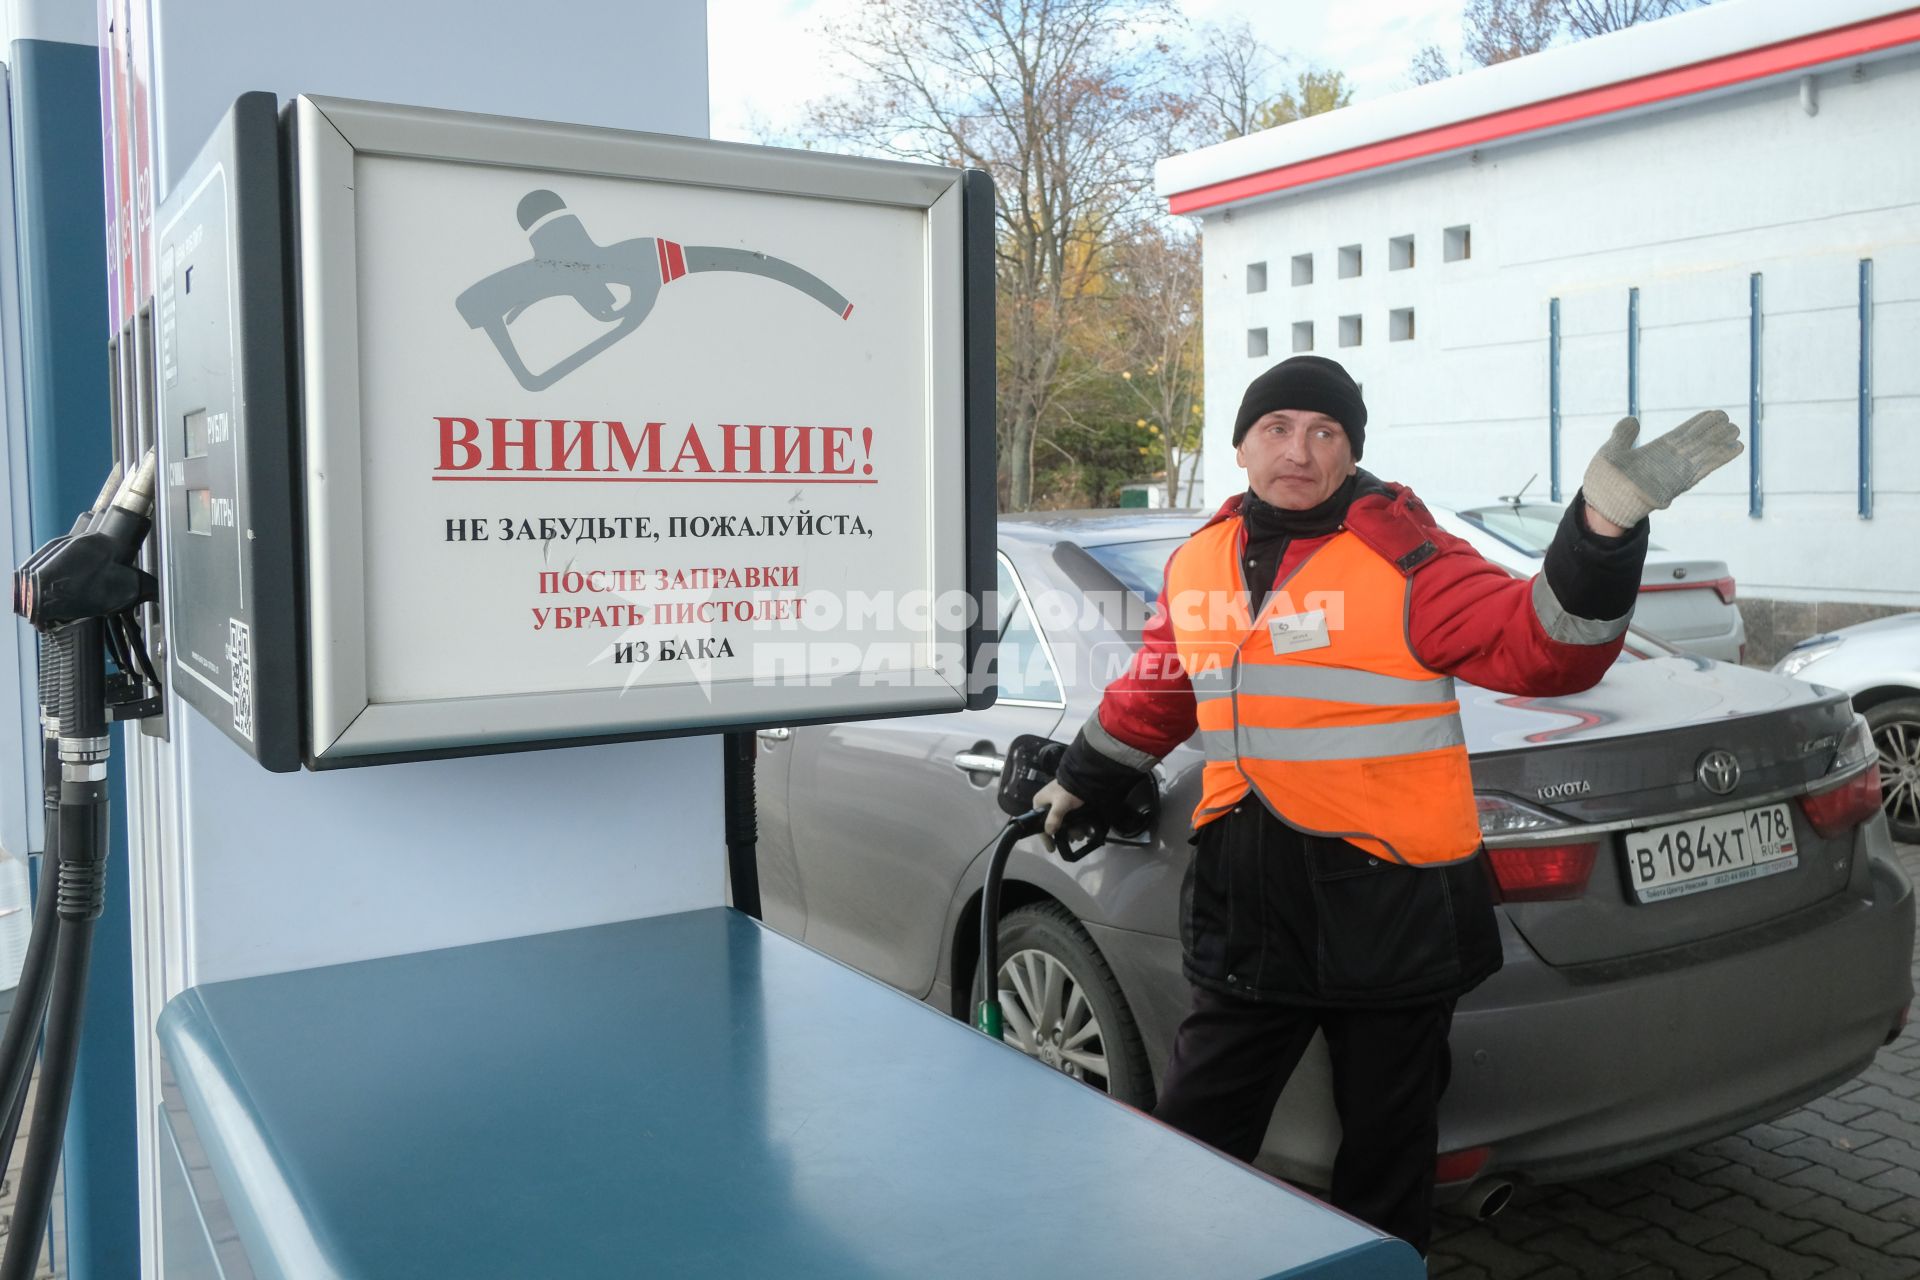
229 202
346 724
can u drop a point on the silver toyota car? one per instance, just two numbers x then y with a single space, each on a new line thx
1703 923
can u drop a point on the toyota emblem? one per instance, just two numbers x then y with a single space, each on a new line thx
1718 771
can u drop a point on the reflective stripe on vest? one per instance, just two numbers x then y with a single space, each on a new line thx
1345 734
1329 684
1352 742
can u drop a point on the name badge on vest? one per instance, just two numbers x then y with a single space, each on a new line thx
1299 632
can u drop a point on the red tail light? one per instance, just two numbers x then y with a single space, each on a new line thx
1460 1166
1838 810
1542 873
1722 587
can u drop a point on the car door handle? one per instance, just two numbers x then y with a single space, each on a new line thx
979 762
773 735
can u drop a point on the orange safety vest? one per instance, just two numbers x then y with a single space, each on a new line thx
1340 731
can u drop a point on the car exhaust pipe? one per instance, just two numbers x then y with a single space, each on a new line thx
1486 1198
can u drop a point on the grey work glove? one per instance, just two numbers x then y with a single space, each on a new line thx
1058 802
1624 484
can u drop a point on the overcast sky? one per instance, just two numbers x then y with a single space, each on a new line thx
766 58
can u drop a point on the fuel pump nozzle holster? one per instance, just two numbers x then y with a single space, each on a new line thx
89 572
88 576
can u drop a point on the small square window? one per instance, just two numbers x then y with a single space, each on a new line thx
1349 331
1256 277
1256 342
1399 253
1303 335
1400 325
1459 244
1349 261
1302 268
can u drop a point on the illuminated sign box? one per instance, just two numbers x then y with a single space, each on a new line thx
606 434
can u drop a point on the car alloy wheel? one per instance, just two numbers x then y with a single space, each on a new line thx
1896 734
1049 1017
1061 1004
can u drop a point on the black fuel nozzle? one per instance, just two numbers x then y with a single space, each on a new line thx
89 573
81 524
1033 762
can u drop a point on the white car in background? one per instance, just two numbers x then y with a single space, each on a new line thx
1877 664
1685 603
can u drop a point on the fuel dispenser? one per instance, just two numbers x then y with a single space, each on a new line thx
445 467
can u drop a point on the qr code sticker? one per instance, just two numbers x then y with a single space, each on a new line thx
240 675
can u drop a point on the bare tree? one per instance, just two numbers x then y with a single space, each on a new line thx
1597 17
1156 304
1501 30
1429 64
1231 79
1061 102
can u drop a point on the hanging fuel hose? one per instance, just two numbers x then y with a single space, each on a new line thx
30 995
987 1016
20 1041
1031 763
76 591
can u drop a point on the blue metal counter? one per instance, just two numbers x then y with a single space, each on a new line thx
684 1096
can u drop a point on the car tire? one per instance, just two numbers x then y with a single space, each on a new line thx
1088 1034
1896 733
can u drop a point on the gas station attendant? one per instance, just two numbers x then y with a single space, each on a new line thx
1311 633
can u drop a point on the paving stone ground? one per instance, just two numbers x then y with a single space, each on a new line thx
1832 1190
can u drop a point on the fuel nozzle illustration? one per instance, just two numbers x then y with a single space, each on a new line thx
615 283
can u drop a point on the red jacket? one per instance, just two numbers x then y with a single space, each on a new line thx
1467 618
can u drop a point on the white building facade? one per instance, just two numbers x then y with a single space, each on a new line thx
1719 210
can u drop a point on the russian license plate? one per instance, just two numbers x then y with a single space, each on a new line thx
1710 853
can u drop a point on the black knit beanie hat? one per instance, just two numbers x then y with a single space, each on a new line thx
1306 382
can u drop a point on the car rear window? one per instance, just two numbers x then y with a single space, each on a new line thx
1528 527
1140 566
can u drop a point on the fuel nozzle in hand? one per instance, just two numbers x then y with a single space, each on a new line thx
616 283
1032 762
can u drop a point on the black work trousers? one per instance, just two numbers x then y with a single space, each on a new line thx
1232 1057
